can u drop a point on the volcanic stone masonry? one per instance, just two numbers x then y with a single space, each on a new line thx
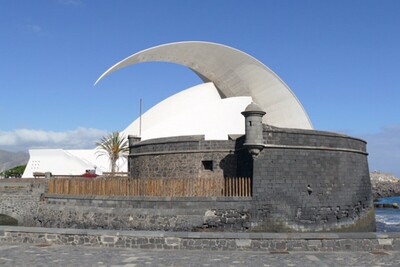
302 180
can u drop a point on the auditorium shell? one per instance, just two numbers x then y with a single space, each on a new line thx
232 80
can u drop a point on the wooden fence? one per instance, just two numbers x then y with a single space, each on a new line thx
122 186
237 187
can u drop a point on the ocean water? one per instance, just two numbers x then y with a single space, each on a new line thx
388 220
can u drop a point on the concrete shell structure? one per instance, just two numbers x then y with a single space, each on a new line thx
233 79
234 73
200 109
67 162
195 111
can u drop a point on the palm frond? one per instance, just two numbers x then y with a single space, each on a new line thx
114 146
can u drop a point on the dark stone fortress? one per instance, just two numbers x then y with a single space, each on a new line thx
294 181
301 180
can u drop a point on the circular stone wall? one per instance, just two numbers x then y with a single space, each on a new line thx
303 180
312 181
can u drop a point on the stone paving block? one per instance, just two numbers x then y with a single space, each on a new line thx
171 241
108 239
386 241
243 242
49 237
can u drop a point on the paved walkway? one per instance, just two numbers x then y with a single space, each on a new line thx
56 255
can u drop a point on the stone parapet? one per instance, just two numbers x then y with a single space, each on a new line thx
312 138
214 241
188 157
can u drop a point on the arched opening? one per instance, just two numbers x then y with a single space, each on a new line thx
7 220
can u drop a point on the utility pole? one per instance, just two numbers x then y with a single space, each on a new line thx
140 119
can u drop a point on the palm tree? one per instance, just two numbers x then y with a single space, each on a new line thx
114 146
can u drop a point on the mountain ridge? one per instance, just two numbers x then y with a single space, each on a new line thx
10 159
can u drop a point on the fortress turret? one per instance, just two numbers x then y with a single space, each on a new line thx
254 129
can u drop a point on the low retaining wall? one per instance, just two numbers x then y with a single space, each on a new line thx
146 213
21 198
203 241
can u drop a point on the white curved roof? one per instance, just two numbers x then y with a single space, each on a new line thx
234 73
195 111
67 162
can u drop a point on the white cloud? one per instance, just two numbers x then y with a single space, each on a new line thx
384 150
70 2
24 139
34 28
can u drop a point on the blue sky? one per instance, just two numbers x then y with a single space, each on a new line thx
340 58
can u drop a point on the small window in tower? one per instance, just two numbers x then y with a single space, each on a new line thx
207 165
250 123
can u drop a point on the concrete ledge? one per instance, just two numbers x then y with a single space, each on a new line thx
204 240
189 151
324 148
151 199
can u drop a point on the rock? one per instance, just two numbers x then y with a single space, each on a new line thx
384 185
